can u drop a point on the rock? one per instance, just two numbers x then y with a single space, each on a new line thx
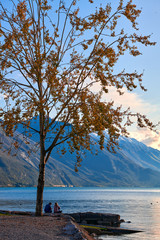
70 229
101 230
96 218
74 230
122 221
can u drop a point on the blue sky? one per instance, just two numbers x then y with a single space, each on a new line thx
145 102
148 102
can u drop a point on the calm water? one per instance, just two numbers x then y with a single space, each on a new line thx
140 206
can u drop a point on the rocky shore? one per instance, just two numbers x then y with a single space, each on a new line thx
19 226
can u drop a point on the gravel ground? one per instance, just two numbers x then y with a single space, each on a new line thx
17 227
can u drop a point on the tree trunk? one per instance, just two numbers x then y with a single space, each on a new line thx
40 187
41 178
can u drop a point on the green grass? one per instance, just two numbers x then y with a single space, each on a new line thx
93 227
5 214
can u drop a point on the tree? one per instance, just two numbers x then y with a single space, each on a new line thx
50 57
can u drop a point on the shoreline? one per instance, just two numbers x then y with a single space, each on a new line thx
26 226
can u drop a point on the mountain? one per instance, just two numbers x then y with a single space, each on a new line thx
133 165
142 155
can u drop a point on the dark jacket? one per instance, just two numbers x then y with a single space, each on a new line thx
48 208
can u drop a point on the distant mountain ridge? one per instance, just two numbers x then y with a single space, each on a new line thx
133 165
141 154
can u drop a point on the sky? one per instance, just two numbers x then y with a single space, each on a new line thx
147 103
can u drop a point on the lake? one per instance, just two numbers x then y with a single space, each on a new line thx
139 206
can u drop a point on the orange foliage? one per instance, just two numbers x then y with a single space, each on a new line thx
50 58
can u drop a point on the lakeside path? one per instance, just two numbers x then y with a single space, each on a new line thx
17 227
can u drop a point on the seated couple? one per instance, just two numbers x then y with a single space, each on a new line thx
48 208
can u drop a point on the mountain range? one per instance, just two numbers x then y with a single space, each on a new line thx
133 165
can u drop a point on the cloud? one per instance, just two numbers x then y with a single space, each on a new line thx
149 138
132 100
128 100
136 104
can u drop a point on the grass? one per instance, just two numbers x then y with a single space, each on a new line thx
93 227
5 214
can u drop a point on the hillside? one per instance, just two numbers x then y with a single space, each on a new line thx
133 165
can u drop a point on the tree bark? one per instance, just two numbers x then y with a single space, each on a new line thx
40 187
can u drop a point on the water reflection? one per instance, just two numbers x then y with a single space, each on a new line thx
141 207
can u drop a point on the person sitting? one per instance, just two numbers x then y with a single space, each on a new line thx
48 208
57 208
